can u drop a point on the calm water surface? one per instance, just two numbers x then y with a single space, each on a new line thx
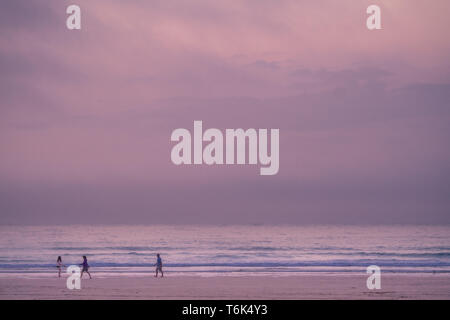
227 250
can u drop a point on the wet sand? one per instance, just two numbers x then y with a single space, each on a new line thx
307 286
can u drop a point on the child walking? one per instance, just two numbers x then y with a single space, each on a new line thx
85 268
59 266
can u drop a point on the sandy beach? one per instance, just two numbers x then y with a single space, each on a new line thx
308 286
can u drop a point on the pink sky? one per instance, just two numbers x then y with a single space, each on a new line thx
86 116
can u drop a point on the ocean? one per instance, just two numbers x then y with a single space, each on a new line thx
31 251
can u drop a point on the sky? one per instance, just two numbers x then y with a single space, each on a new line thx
86 115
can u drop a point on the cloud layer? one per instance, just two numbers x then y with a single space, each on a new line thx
86 116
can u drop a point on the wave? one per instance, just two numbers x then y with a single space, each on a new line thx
267 264
118 248
444 252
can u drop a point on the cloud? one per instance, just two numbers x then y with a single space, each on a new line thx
86 115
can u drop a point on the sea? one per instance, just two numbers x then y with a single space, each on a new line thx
31 251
